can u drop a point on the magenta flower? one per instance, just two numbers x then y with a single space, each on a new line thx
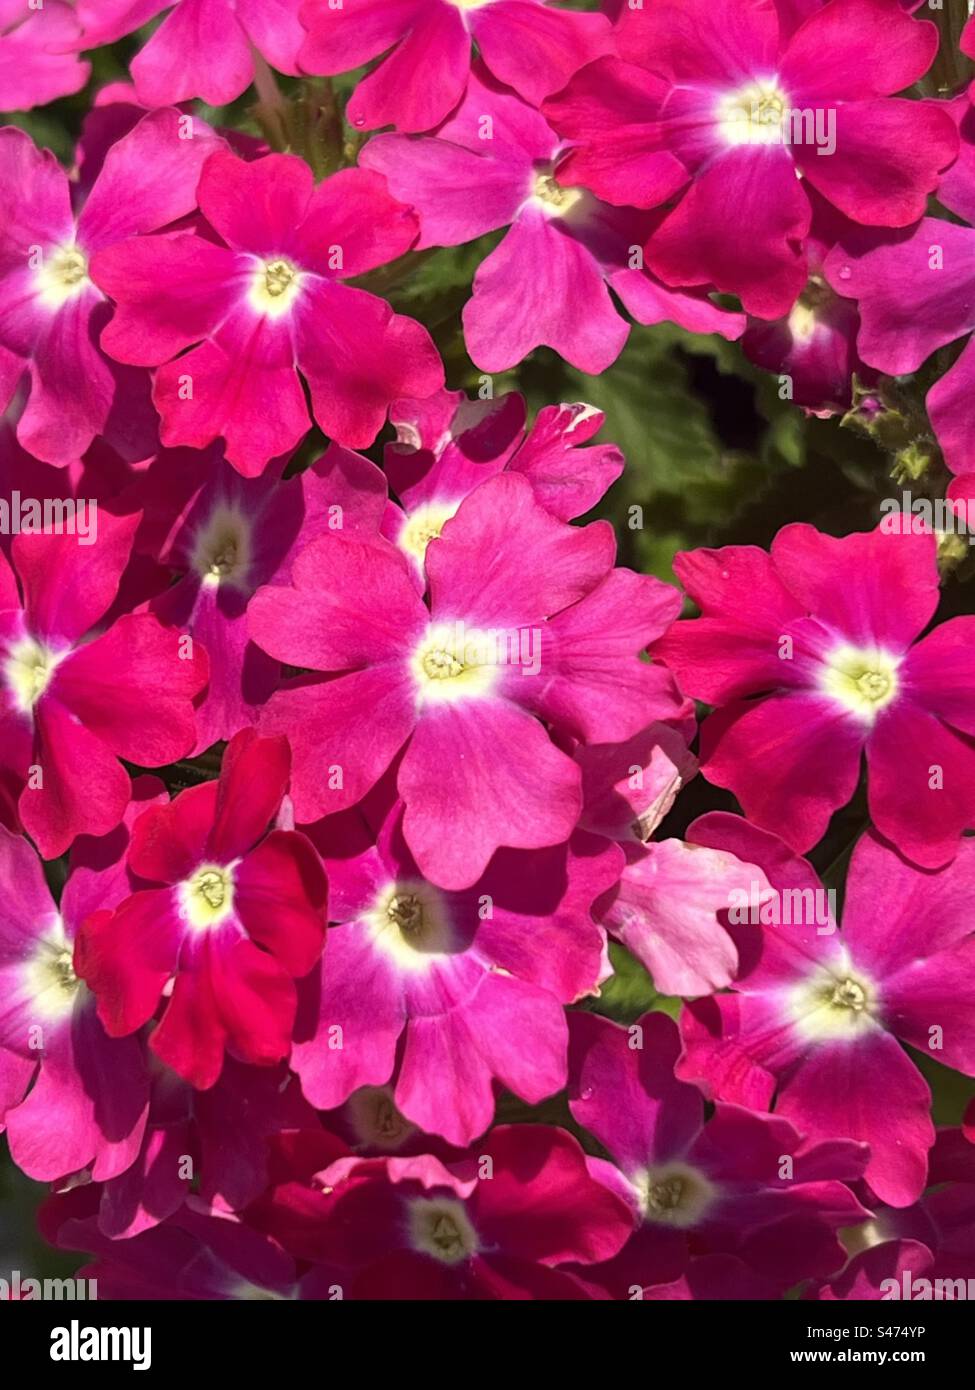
810 655
225 535
52 311
239 915
935 1239
197 1254
260 293
816 1015
497 1225
75 698
528 621
203 48
226 1130
915 295
814 347
741 1185
71 1098
38 57
470 985
734 100
526 44
495 164
448 445
669 907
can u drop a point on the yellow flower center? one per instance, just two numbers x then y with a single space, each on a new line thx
425 526
835 1003
51 981
28 670
673 1194
275 287
61 276
208 897
222 549
863 680
410 923
557 200
453 662
753 114
441 1227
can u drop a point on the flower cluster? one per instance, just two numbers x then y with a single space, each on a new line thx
399 897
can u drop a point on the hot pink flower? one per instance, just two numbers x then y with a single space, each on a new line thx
448 445
742 1184
736 99
815 1015
526 44
38 61
915 294
225 1130
810 655
814 347
260 293
496 1225
225 535
494 164
528 621
469 986
197 1254
239 917
52 311
75 698
71 1098
204 48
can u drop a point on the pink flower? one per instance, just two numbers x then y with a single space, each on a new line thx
495 1225
225 535
448 445
239 915
528 621
900 1249
495 163
74 697
203 48
468 986
197 1254
260 293
813 349
734 100
816 1016
810 656
226 1131
915 294
52 311
71 1098
526 44
37 58
741 1185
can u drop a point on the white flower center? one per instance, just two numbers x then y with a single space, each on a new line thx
834 1004
28 670
753 114
62 276
863 680
207 898
222 547
425 526
410 922
51 981
275 287
673 1194
556 200
440 1226
454 663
